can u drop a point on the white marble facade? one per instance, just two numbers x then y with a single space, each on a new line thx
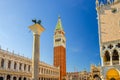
16 67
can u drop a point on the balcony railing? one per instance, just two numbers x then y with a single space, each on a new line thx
107 63
113 63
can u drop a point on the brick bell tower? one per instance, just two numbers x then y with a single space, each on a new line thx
60 49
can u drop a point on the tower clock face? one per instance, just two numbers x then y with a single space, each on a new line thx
110 25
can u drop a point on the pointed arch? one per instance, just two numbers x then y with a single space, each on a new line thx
106 56
115 55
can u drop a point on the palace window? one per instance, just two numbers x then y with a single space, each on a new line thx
41 70
115 55
15 64
2 63
107 56
24 67
20 66
9 64
29 68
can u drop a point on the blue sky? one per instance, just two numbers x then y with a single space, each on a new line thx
78 20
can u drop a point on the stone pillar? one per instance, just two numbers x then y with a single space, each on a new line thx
18 66
6 64
17 78
37 29
111 59
36 55
119 59
22 78
26 68
22 67
12 65
102 62
5 77
11 77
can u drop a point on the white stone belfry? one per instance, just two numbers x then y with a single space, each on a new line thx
37 29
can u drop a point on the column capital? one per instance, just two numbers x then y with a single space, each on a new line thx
36 28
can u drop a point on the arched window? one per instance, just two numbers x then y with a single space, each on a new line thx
41 70
107 56
15 64
29 68
24 67
20 66
9 64
14 78
8 77
2 63
24 78
115 55
44 70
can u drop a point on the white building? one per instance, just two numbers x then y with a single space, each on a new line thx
109 38
16 67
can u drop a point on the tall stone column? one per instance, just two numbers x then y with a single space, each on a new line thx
12 65
102 61
6 64
18 64
111 63
37 29
119 59
5 77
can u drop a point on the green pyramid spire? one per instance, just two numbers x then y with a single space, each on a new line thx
59 24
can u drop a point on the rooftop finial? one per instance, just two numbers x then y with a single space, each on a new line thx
97 3
59 17
13 51
108 2
7 49
101 4
59 24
